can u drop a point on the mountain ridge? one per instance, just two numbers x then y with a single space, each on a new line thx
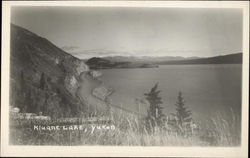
235 58
149 62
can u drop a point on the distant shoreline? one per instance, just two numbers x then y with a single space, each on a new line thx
164 65
126 63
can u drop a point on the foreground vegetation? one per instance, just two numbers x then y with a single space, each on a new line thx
122 128
129 131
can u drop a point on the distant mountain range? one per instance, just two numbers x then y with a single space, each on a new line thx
224 59
103 63
144 59
148 62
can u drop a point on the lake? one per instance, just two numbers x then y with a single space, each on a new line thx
207 89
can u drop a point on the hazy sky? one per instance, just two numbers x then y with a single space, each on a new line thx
87 32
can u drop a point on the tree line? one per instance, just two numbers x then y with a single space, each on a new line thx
157 119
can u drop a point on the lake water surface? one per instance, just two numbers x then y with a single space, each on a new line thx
207 89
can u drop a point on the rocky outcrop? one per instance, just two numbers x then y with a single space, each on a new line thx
102 92
95 74
80 67
74 66
71 84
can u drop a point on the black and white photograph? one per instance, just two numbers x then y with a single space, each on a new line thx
121 76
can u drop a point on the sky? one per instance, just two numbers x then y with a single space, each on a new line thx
103 31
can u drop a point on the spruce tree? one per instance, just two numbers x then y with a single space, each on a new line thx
42 81
22 81
155 113
22 94
183 115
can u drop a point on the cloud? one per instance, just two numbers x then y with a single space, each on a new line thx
84 54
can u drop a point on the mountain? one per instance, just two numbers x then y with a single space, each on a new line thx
149 62
45 79
224 59
104 63
145 59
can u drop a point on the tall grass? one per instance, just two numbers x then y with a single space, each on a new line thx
223 129
130 131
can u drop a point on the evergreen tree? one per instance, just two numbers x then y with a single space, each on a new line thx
22 81
42 81
155 113
22 94
183 115
29 101
52 105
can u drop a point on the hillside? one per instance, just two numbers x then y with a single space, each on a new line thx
104 63
45 79
224 59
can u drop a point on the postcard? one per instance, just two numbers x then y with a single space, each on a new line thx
125 78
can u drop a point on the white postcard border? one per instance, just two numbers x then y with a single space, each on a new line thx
113 151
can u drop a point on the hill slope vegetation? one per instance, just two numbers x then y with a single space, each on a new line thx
45 79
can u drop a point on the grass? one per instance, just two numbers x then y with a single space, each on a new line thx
129 131
223 130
